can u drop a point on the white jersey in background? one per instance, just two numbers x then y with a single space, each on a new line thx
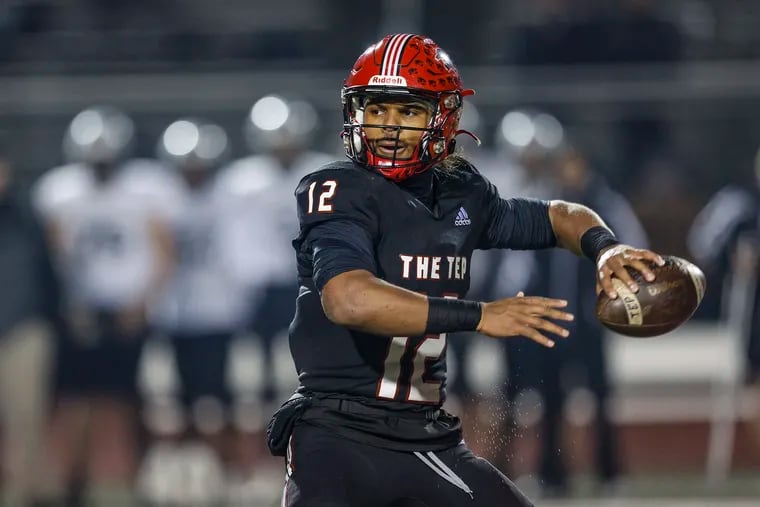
106 252
270 221
208 291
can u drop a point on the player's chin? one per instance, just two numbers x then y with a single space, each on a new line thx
397 153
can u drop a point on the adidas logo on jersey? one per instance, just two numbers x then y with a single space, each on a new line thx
462 218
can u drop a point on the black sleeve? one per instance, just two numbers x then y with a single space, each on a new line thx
517 223
339 246
338 221
336 194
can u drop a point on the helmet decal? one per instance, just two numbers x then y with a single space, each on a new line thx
394 49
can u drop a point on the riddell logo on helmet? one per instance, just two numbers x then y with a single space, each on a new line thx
387 80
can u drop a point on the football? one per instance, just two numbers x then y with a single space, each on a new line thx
659 306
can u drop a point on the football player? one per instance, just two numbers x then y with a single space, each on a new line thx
383 257
30 325
559 274
205 304
105 213
722 238
525 142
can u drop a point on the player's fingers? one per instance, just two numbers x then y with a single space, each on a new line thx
647 255
542 301
544 311
643 268
537 337
624 276
605 280
545 325
558 315
651 256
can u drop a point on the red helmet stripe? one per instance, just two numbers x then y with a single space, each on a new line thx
393 52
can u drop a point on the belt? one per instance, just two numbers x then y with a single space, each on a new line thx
356 407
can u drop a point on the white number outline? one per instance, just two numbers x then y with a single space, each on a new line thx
419 390
323 206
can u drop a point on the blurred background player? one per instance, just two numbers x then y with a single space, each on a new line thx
555 374
279 132
529 137
205 304
524 144
105 215
525 141
731 215
30 320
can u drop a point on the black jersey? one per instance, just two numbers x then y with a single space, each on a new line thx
424 247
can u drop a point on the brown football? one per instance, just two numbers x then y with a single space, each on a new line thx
659 306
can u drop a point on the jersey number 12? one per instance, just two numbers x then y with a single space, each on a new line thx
324 205
395 385
414 387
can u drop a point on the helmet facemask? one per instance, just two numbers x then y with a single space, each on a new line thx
435 144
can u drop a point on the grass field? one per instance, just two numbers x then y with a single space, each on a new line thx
741 490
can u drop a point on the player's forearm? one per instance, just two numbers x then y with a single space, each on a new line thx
569 221
361 301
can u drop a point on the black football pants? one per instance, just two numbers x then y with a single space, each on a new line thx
327 470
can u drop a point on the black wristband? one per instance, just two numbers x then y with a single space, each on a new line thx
595 240
448 315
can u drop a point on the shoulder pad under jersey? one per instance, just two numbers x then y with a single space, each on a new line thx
339 190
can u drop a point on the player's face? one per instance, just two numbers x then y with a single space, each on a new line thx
389 141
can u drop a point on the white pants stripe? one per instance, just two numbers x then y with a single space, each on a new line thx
439 467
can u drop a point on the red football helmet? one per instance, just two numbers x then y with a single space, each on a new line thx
403 66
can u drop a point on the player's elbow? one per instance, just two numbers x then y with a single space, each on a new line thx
344 299
342 312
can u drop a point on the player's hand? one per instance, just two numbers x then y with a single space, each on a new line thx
612 264
524 316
